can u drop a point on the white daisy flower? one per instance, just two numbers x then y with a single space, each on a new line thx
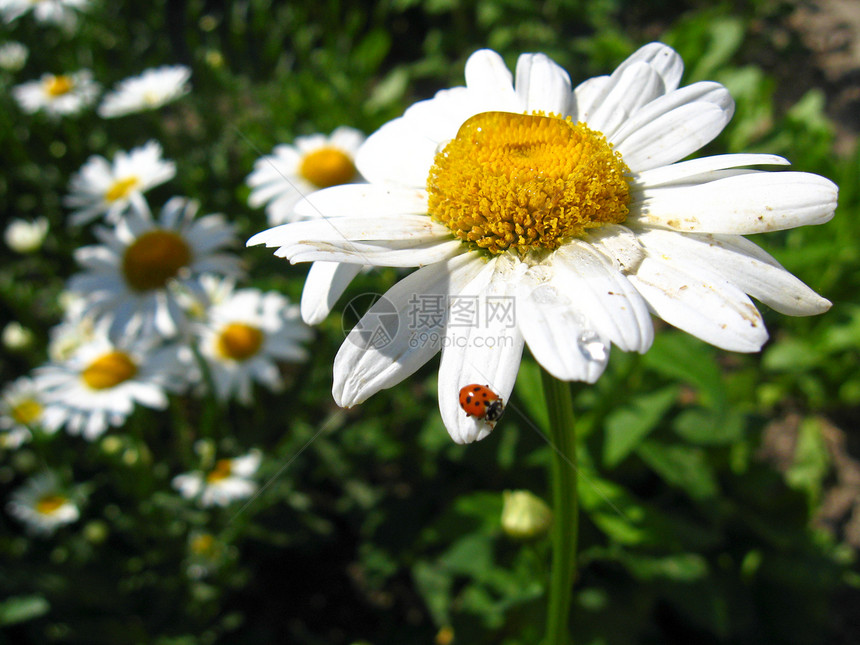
60 95
22 407
23 236
110 188
100 383
16 337
570 205
148 91
132 277
228 480
58 12
43 504
245 336
214 290
13 55
281 179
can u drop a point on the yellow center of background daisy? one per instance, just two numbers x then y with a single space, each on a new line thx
327 167
121 188
49 504
109 370
526 182
26 412
221 471
154 258
202 544
58 85
239 341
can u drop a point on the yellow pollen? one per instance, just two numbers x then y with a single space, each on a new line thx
50 504
327 167
59 85
109 370
121 188
222 470
239 342
26 412
154 258
526 182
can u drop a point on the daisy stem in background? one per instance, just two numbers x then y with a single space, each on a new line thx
562 436
212 407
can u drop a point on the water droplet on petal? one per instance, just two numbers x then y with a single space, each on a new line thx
592 347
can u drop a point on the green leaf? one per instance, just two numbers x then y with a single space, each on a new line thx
629 425
710 427
22 608
680 356
811 460
682 466
434 584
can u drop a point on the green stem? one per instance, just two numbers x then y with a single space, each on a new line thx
565 502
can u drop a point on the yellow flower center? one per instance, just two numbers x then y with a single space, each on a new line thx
222 470
50 504
526 182
327 167
121 188
26 412
59 85
154 258
239 341
109 370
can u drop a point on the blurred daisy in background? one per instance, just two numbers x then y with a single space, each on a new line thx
22 408
148 91
25 236
573 206
16 337
205 553
279 180
245 336
101 382
77 327
108 188
13 55
131 278
58 12
226 481
214 289
62 95
44 504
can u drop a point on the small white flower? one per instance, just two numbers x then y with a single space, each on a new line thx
245 336
148 91
58 12
77 328
61 95
291 172
100 383
22 407
556 217
23 236
132 278
226 481
13 56
16 337
43 504
110 188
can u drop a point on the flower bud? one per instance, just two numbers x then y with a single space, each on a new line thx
524 515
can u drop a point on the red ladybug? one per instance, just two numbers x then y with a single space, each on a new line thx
481 402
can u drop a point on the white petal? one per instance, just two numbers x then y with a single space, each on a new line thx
560 337
380 159
672 126
708 308
489 78
619 244
665 60
542 85
740 205
743 264
637 85
362 366
325 283
696 171
599 291
362 200
402 253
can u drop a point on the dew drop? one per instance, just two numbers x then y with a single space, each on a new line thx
592 347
